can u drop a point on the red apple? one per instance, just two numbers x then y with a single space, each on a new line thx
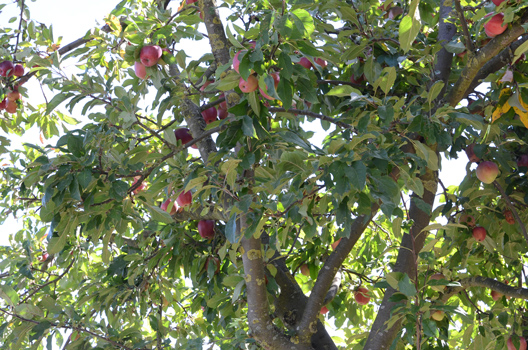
140 187
184 135
355 80
3 104
276 80
206 228
479 233
495 25
209 115
467 220
18 70
496 295
248 86
438 315
44 256
438 277
523 161
324 310
487 172
498 2
140 70
334 245
11 106
150 55
216 261
471 154
305 63
13 95
6 69
510 219
522 344
165 206
362 296
191 1
206 84
222 113
184 198
236 61
320 62
305 270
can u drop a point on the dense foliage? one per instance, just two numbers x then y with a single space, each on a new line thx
111 254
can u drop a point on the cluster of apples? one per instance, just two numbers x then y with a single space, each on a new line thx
148 57
495 25
212 113
8 70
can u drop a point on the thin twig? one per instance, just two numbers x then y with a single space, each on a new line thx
469 42
19 26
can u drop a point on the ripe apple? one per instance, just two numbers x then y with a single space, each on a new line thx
522 344
498 2
438 315
18 70
471 154
236 60
496 295
206 228
140 70
324 310
184 135
3 104
209 115
495 25
510 219
140 187
305 63
248 86
150 55
165 206
305 270
13 95
6 69
11 106
44 256
276 80
479 233
222 113
487 172
184 198
467 220
523 161
334 245
438 277
320 62
191 2
216 261
362 296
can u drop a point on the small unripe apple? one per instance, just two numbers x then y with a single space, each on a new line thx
479 233
18 70
487 172
249 85
276 80
438 315
362 296
165 207
305 63
522 344
184 198
496 295
209 115
510 219
523 161
150 55
324 310
495 25
335 244
305 270
140 70
6 69
206 229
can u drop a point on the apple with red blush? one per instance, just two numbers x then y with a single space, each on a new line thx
362 296
249 85
140 70
206 229
511 345
209 115
184 136
479 233
276 80
495 26
305 270
150 55
184 198
6 69
487 172
165 207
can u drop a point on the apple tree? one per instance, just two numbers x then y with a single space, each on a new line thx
281 191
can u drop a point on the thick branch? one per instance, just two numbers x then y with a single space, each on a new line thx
444 59
484 282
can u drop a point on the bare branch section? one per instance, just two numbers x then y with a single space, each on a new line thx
489 283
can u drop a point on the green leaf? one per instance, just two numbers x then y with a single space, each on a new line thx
55 101
158 214
406 286
247 127
84 178
9 295
230 229
343 91
409 27
386 79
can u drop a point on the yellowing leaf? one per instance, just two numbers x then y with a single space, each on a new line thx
523 114
500 110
